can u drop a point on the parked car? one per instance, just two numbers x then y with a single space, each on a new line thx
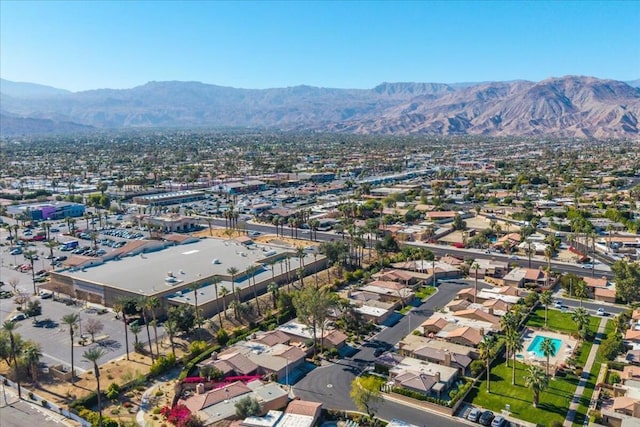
558 304
601 312
587 265
474 415
499 421
18 317
486 418
16 251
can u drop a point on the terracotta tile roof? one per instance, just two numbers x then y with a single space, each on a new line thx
595 282
303 407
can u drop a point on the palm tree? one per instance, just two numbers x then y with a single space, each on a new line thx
581 318
514 345
31 355
31 255
273 288
135 330
153 303
475 266
92 355
580 290
546 298
120 306
548 349
9 327
251 272
171 327
71 320
235 305
486 349
536 380
50 244
223 294
194 287
215 281
141 305
232 271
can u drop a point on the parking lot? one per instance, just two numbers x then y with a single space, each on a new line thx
54 336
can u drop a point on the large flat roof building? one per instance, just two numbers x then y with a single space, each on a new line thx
168 273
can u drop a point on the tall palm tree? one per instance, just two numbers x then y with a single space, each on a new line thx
31 355
486 349
223 294
135 330
546 298
232 271
536 380
581 318
30 255
141 306
475 266
71 320
580 290
194 287
273 288
215 281
120 306
171 327
153 303
10 327
51 244
92 355
251 272
548 349
514 345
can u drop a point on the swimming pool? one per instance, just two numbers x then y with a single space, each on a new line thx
537 341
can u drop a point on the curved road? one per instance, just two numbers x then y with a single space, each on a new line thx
331 384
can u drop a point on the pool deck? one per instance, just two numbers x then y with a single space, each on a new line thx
567 345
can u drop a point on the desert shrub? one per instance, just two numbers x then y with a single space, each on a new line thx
113 391
162 365
222 337
197 347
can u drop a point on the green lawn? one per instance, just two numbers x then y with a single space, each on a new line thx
553 402
559 321
425 292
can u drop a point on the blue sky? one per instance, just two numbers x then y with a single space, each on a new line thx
121 44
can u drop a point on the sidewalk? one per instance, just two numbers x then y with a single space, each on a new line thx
568 422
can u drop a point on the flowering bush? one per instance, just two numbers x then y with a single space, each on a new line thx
176 415
191 380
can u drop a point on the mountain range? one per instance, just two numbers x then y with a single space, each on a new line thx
570 106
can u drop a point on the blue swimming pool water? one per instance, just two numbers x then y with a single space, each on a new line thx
535 345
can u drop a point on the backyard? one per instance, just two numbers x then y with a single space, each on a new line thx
555 400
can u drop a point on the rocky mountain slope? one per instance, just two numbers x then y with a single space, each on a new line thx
570 106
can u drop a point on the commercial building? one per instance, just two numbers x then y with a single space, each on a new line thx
48 210
172 198
168 271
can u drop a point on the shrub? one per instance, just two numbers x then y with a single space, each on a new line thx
477 366
556 423
155 411
45 404
175 415
159 393
197 347
222 337
162 365
614 378
113 391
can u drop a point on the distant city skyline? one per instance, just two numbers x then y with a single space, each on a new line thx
111 44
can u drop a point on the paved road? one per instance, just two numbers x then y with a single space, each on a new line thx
331 384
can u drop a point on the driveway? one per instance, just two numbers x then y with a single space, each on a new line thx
331 384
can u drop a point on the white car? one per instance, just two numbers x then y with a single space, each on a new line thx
588 265
601 312
557 304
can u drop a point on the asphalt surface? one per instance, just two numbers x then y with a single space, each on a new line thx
331 384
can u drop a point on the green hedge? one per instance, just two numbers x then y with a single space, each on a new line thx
191 364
